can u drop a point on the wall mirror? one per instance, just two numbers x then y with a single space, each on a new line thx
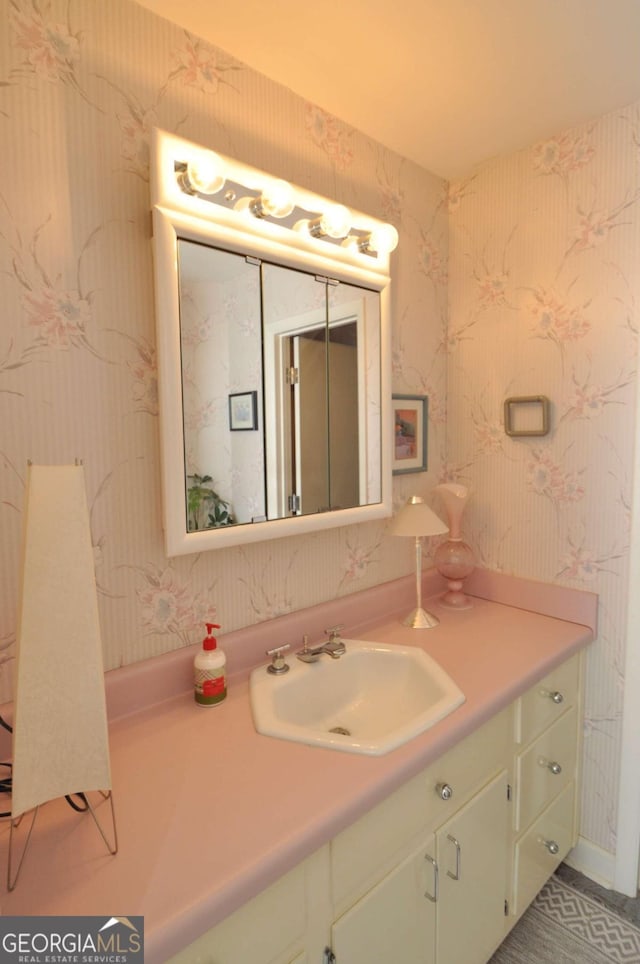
273 354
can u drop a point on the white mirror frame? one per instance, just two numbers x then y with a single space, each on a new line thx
176 213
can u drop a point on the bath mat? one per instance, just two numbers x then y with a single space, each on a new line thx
564 926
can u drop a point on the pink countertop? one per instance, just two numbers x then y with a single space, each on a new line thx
209 812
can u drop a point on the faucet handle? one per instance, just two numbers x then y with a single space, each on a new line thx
278 664
334 632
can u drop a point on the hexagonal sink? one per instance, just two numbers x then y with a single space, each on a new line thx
371 700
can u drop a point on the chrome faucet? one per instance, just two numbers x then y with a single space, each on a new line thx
334 647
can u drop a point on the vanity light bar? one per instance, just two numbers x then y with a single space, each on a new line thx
203 175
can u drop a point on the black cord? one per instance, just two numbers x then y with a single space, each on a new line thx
5 786
5 783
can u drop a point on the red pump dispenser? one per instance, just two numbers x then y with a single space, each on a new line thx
209 668
210 642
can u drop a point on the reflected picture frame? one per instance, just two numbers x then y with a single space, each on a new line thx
410 421
243 411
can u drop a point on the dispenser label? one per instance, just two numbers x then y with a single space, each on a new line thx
209 689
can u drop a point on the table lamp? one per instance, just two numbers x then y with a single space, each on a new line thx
418 520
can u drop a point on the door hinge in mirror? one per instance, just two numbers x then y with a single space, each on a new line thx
328 957
506 908
294 502
292 375
509 792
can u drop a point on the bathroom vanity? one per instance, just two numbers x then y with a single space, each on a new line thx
442 869
240 847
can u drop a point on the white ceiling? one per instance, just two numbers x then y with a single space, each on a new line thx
447 83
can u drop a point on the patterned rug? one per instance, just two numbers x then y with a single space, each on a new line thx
564 926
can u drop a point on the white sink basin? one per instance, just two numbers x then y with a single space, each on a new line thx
371 700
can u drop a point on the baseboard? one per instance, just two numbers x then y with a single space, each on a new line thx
593 861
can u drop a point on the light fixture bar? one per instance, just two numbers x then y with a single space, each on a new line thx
205 176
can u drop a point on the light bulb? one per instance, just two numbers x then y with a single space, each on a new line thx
336 221
383 239
204 173
276 200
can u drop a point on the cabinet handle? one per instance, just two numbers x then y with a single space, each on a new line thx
456 844
552 846
556 697
444 791
434 863
551 765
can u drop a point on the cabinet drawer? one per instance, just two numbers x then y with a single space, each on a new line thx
364 852
545 768
468 766
538 708
534 861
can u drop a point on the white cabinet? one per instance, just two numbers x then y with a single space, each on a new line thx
472 852
395 920
439 871
429 847
445 901
548 722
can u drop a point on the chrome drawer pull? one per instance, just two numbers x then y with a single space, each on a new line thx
444 791
432 897
552 846
552 765
456 844
556 697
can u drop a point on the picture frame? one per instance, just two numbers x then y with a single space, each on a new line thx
243 411
526 415
410 421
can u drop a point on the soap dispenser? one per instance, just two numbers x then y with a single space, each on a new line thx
210 683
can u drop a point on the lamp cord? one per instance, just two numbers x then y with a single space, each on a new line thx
6 783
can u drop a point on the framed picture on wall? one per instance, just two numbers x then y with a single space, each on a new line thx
243 411
409 433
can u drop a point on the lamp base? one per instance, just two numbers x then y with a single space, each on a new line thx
455 600
454 561
420 619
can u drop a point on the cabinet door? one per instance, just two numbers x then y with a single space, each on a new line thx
394 923
270 929
472 849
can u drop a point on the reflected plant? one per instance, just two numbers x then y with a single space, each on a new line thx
202 499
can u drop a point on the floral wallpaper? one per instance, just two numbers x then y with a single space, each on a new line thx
543 293
521 279
82 84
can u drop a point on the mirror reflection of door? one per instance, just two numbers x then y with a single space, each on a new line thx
327 455
321 426
344 416
310 422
